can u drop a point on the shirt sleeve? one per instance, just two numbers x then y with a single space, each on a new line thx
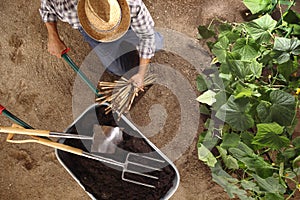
47 12
143 25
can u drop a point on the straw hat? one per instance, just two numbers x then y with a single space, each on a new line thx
104 20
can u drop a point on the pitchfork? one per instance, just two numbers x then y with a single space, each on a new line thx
135 168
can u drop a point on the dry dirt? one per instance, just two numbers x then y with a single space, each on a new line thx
37 88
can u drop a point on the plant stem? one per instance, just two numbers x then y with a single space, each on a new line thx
289 7
291 195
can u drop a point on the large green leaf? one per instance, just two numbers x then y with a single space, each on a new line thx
287 44
287 68
251 160
245 70
296 29
232 33
242 91
228 183
220 100
230 140
296 142
239 68
249 185
270 185
247 48
220 49
235 113
285 47
230 188
261 28
206 156
280 109
201 83
263 111
258 6
247 137
291 17
268 135
273 196
205 33
245 91
207 97
243 151
268 128
254 163
283 110
229 161
256 68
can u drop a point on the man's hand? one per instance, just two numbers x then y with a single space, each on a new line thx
55 45
138 78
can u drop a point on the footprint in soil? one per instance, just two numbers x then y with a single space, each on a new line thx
24 158
16 55
21 95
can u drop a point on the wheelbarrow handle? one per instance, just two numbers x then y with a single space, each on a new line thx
65 56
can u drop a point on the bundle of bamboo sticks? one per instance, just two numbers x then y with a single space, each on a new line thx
121 93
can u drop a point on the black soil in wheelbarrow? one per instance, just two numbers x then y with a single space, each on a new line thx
105 182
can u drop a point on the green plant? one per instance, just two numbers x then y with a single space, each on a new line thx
250 95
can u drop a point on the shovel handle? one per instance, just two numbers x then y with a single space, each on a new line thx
39 140
23 131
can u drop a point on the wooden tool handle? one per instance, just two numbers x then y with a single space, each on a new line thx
23 131
59 146
46 142
18 129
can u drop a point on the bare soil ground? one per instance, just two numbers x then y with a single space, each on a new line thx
37 88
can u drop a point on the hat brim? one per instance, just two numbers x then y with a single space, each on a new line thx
105 36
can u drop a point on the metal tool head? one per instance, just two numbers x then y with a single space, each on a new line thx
106 139
142 170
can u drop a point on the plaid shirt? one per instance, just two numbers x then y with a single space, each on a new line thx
141 21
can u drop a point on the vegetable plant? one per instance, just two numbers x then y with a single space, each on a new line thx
249 96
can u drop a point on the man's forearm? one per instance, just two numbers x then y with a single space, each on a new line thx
52 30
55 45
143 66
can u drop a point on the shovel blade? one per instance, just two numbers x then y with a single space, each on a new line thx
106 139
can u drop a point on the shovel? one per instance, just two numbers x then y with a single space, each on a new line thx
43 133
104 139
134 170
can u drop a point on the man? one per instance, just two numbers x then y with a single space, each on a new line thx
105 24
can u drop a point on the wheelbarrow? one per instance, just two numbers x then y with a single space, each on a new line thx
80 168
89 120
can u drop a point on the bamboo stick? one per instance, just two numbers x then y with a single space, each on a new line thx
121 93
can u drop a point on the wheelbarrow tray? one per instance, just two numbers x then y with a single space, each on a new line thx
101 181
